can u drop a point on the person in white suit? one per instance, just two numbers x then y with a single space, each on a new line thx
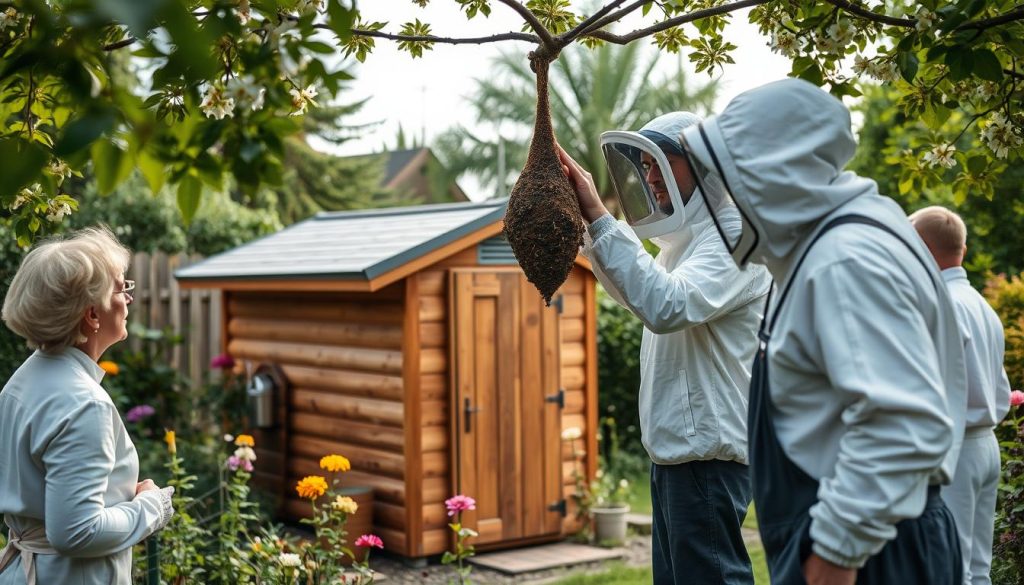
69 489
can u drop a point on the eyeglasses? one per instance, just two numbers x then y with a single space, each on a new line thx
129 286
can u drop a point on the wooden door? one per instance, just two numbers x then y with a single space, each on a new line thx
506 407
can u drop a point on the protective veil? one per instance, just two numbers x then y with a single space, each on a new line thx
866 363
700 315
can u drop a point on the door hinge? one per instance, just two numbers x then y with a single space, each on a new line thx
558 398
559 507
559 304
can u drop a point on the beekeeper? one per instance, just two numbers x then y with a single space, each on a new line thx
700 316
972 495
858 393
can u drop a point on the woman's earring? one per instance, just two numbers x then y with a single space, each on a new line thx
96 330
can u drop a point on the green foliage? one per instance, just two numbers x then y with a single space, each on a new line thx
986 193
619 334
13 350
189 92
591 92
1006 296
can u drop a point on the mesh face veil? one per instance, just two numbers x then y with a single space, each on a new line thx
644 182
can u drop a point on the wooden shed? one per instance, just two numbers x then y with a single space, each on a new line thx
413 345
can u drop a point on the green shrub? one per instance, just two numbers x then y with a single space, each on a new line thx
618 368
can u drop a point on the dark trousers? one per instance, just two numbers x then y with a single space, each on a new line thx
698 508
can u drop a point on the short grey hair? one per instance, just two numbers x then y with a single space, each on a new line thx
57 281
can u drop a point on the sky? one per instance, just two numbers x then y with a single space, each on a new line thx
427 95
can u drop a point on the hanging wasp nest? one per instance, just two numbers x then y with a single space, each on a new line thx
543 222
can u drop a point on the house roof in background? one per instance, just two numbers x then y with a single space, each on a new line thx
349 245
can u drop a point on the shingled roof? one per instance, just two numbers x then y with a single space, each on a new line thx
356 245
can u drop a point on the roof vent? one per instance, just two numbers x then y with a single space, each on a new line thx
493 251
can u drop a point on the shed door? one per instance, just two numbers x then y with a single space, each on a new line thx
507 417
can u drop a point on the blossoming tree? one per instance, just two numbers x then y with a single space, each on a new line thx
189 91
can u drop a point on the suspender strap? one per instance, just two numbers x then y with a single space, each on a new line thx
841 220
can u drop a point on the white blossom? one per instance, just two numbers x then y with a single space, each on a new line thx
9 17
246 453
310 6
571 434
786 43
243 11
59 168
624 483
27 194
217 104
926 20
246 94
290 560
229 438
301 99
1000 135
836 37
941 154
985 91
57 210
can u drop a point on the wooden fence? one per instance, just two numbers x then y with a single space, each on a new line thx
194 314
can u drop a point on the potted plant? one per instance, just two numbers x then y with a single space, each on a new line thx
609 491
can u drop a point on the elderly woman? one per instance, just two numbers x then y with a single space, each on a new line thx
68 470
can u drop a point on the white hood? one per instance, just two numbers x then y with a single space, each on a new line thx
783 165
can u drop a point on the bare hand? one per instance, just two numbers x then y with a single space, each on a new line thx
583 184
145 486
818 571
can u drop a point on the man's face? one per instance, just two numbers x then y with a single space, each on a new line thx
680 170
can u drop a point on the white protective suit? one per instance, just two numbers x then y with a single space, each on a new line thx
700 316
866 360
68 472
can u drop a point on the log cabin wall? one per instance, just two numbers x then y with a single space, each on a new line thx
342 355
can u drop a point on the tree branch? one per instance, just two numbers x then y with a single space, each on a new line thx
1015 14
538 27
120 44
568 36
673 22
509 36
873 16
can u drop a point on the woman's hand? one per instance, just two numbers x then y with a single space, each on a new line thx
582 182
818 571
145 486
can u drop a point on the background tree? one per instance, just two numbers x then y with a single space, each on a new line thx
991 203
941 58
592 91
212 88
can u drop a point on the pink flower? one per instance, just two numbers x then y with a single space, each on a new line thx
137 413
234 462
368 540
223 362
1016 398
458 504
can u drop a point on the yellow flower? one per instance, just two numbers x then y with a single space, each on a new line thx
172 446
335 463
345 504
110 367
245 440
311 487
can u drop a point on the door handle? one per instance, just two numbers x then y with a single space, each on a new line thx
468 414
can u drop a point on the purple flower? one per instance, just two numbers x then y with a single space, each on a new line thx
137 413
222 362
234 462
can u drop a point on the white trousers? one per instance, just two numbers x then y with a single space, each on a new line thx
972 500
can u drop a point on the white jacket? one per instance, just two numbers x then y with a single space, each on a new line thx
866 363
700 316
988 389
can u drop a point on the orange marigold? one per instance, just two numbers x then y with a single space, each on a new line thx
311 487
110 367
245 441
172 443
335 463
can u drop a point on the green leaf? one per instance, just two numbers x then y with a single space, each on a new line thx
110 164
341 19
154 171
190 191
907 63
140 17
987 65
83 131
977 164
30 159
960 62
